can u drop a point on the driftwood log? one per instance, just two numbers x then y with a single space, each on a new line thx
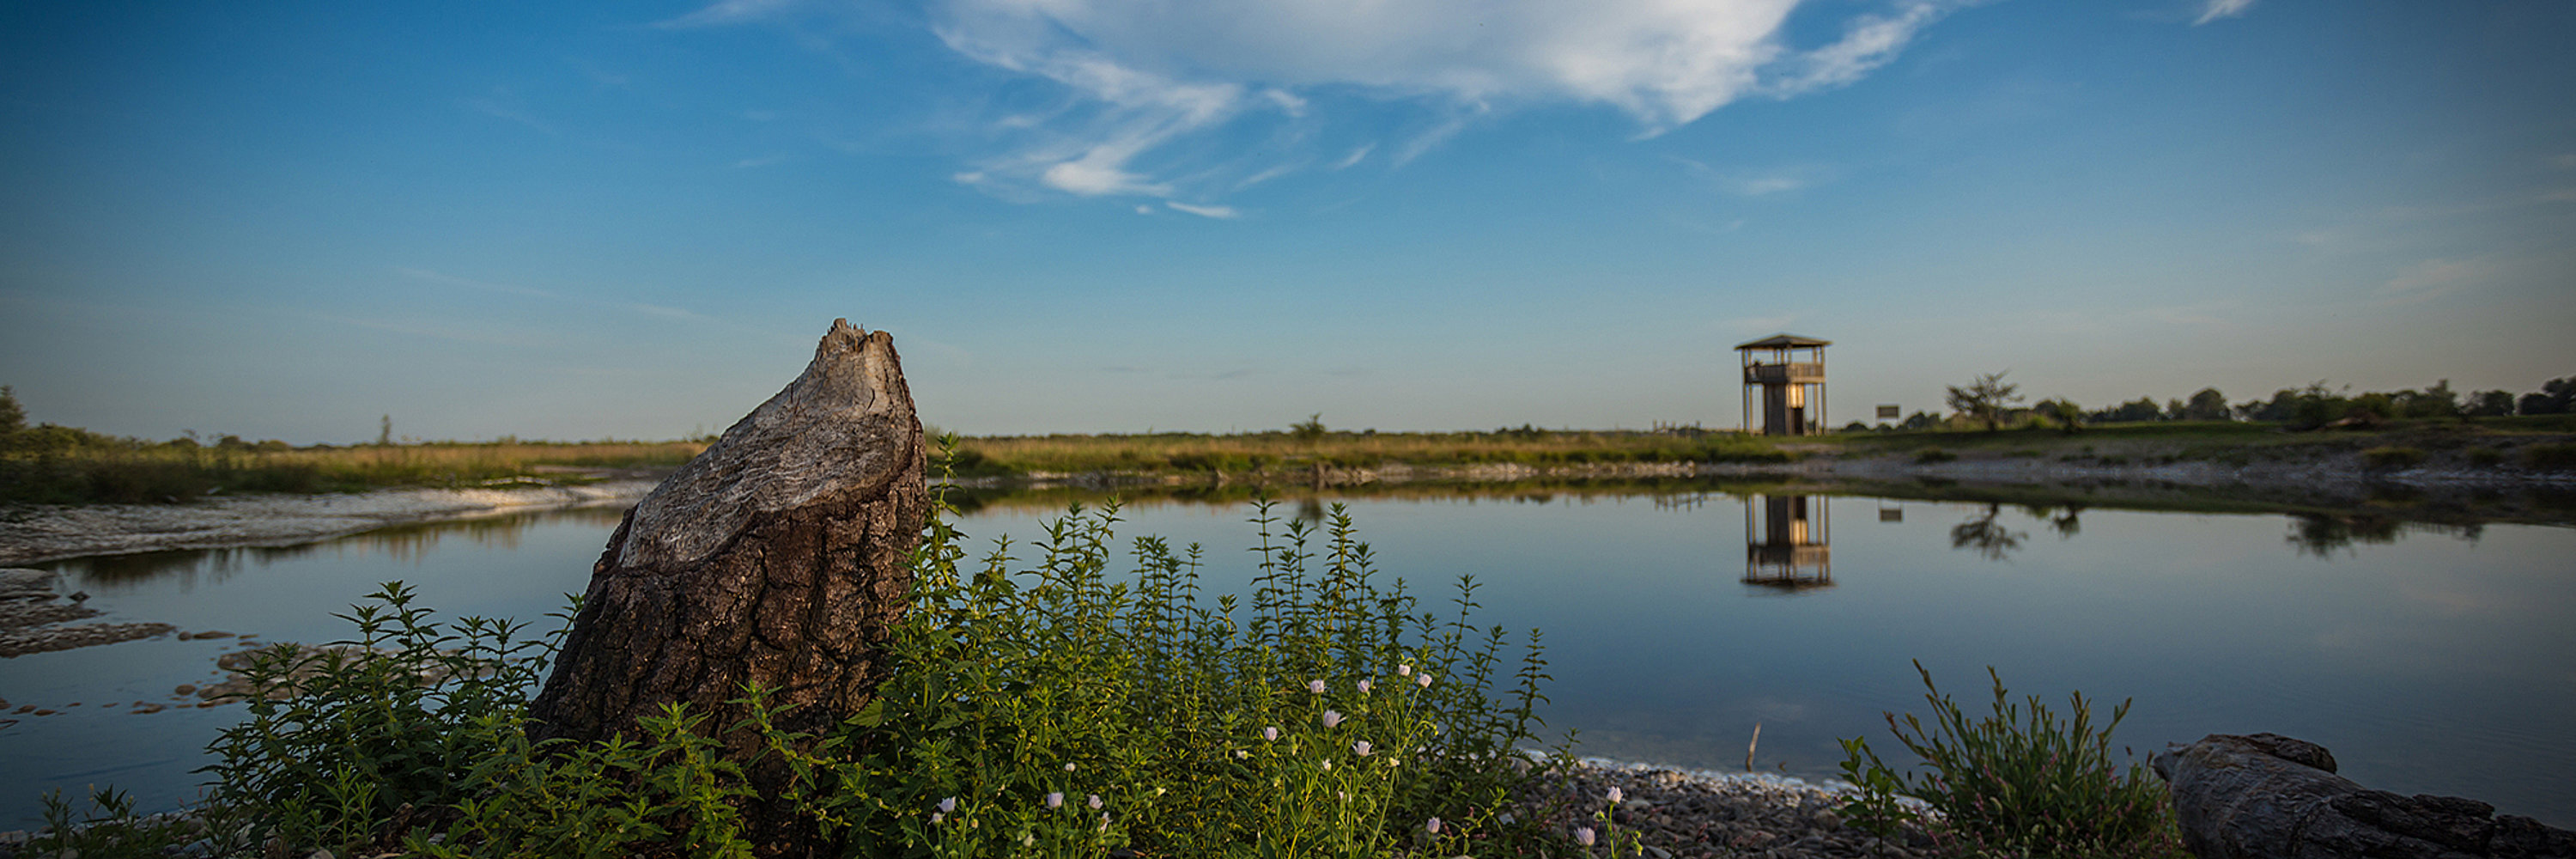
776 558
2266 796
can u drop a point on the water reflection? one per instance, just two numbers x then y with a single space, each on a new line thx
1989 537
2322 534
1788 542
410 542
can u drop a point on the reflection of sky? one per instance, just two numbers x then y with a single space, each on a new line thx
2428 664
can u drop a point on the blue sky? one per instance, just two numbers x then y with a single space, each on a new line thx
632 220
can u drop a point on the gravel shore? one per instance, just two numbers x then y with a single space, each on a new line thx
1686 814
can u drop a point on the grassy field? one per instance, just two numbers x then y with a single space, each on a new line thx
1283 452
169 473
86 468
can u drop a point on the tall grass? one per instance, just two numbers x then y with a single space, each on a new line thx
2021 780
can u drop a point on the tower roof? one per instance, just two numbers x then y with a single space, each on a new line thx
1783 341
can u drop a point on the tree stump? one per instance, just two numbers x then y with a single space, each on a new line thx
776 557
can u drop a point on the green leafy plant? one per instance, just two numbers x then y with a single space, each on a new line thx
1056 709
2022 780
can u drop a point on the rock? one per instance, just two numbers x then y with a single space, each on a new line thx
20 583
2265 796
776 557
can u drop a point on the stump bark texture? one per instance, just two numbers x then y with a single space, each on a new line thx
2265 796
776 557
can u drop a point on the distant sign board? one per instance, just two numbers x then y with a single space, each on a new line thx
1889 413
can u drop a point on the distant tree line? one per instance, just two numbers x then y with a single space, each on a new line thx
1989 403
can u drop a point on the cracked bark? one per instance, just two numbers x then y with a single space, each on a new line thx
774 558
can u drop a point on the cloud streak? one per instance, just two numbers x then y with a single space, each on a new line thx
1137 76
2216 9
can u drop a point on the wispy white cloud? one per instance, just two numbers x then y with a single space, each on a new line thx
2213 10
1141 74
2434 278
498 106
1754 183
1354 158
1868 42
1267 175
724 12
1218 212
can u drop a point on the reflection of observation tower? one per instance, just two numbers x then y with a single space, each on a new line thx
1773 364
1786 541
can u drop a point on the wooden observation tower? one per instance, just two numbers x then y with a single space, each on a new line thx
1785 366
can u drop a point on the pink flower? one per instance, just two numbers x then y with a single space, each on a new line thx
949 804
1362 747
1432 826
1095 802
1364 687
1055 800
1615 795
1423 680
1270 734
1315 686
1404 671
1332 718
1583 835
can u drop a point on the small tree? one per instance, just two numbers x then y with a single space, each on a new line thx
2207 405
12 416
1310 430
2488 404
1985 400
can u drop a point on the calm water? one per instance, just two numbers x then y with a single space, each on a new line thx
2428 660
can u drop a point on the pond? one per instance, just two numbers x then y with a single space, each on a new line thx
2430 659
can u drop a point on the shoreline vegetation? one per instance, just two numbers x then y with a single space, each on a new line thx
2306 434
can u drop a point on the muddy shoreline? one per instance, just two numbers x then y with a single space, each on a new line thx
36 533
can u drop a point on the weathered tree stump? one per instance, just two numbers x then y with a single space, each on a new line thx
776 558
2266 796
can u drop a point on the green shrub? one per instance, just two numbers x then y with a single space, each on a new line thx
2020 781
1934 454
2391 458
2550 457
1197 726
2484 457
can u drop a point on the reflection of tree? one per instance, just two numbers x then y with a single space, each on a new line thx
1985 535
2320 535
2065 523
